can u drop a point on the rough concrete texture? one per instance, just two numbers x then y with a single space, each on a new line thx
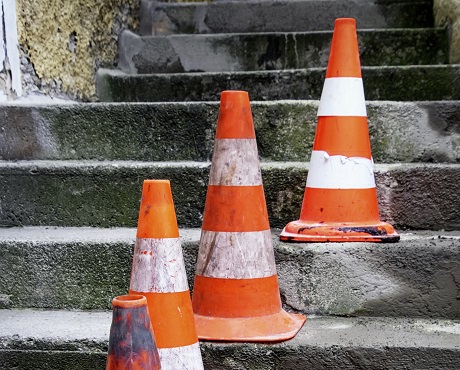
399 132
65 42
84 268
78 340
447 13
269 51
278 16
406 83
92 193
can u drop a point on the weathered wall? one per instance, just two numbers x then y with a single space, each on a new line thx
447 12
63 42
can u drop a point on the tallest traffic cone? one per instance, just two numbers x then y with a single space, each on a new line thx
340 199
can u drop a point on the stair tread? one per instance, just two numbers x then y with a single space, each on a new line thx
55 234
91 329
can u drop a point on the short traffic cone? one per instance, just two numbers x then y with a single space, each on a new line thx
236 293
340 200
158 273
131 343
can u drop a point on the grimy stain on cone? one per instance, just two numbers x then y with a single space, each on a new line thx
132 342
158 273
236 293
340 199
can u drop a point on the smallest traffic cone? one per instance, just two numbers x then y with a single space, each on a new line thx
131 343
158 273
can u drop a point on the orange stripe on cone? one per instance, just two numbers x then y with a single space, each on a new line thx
173 327
228 209
158 273
340 200
234 297
347 136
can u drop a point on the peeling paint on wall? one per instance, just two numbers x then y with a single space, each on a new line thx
447 13
63 43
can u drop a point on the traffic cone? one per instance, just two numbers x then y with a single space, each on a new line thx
158 273
236 294
340 200
131 343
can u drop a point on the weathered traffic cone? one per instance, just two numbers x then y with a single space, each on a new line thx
131 343
340 199
236 293
158 273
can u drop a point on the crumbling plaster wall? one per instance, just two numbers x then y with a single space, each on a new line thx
63 42
447 12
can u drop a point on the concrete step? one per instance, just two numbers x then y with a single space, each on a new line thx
157 18
399 132
400 83
68 340
84 268
106 194
270 51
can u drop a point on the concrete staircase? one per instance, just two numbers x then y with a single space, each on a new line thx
71 175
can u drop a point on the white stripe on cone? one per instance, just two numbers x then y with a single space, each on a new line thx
339 172
342 96
236 255
158 266
186 357
233 163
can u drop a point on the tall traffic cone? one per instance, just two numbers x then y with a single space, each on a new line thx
236 293
131 343
158 273
340 200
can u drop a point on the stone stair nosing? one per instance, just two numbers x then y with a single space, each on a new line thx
158 18
275 51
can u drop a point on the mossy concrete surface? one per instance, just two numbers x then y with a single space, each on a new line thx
270 51
106 194
84 268
447 13
399 132
279 16
400 83
66 41
78 340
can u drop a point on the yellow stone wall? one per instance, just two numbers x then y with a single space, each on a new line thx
47 31
447 12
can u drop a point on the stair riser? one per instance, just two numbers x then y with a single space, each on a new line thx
246 356
399 132
418 277
416 197
255 52
380 83
231 17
